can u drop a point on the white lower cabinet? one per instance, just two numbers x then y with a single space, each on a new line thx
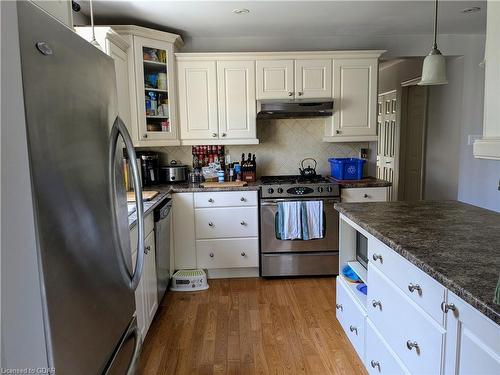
379 357
351 317
472 340
217 231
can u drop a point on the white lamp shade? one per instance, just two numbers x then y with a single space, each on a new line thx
434 70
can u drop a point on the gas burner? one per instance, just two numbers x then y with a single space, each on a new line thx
296 186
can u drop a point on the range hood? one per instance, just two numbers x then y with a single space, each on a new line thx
294 108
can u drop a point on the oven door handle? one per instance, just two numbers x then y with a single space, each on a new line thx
274 202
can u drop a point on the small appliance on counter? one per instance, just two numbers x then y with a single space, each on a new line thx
173 172
150 168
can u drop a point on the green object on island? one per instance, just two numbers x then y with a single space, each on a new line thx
497 293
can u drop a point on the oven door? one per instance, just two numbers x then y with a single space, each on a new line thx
270 243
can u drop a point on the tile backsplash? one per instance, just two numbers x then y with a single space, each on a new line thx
283 145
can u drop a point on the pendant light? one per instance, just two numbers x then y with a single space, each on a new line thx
94 41
434 67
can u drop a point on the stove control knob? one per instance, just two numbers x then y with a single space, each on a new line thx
329 189
270 190
280 190
320 189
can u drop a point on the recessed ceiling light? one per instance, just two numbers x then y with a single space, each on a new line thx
241 11
471 10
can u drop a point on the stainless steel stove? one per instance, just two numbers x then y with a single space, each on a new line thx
298 257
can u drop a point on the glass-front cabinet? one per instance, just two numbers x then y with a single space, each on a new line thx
155 90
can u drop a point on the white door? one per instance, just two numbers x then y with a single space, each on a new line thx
154 61
355 98
387 141
236 99
275 79
313 78
149 275
198 99
472 340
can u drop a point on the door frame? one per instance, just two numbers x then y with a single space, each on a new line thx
401 119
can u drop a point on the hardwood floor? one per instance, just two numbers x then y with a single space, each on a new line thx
250 326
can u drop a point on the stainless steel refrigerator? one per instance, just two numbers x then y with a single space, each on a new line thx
74 141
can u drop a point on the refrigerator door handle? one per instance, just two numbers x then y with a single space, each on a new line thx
118 129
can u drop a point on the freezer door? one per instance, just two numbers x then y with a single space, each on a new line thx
70 104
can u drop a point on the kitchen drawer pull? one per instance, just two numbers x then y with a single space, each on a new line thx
243 223
375 364
365 195
243 254
301 93
214 135
338 306
210 200
290 93
353 329
412 287
243 199
147 249
447 307
377 303
223 134
211 255
412 344
377 256
211 224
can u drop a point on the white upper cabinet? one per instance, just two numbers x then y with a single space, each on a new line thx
489 146
275 79
236 99
313 78
355 101
198 100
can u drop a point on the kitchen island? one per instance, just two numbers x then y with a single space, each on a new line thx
431 270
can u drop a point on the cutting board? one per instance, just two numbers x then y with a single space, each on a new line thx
228 184
146 195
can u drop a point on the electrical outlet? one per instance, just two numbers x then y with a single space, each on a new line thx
472 138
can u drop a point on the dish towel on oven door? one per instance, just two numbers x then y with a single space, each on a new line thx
312 220
289 221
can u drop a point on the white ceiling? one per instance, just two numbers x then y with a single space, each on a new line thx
291 18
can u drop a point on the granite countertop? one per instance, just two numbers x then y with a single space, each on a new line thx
149 206
364 183
455 243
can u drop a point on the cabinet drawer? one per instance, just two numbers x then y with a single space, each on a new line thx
225 199
226 222
401 322
416 284
351 317
378 194
149 226
228 253
380 359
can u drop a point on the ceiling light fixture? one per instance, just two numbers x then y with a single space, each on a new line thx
470 10
94 41
434 67
241 11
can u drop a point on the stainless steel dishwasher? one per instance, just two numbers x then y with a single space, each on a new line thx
162 243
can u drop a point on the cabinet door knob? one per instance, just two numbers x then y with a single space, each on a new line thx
377 303
243 223
353 329
412 344
210 200
365 195
243 254
337 131
377 256
447 307
214 135
290 93
375 364
223 134
243 199
211 255
338 306
210 224
144 135
147 249
413 287
301 93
